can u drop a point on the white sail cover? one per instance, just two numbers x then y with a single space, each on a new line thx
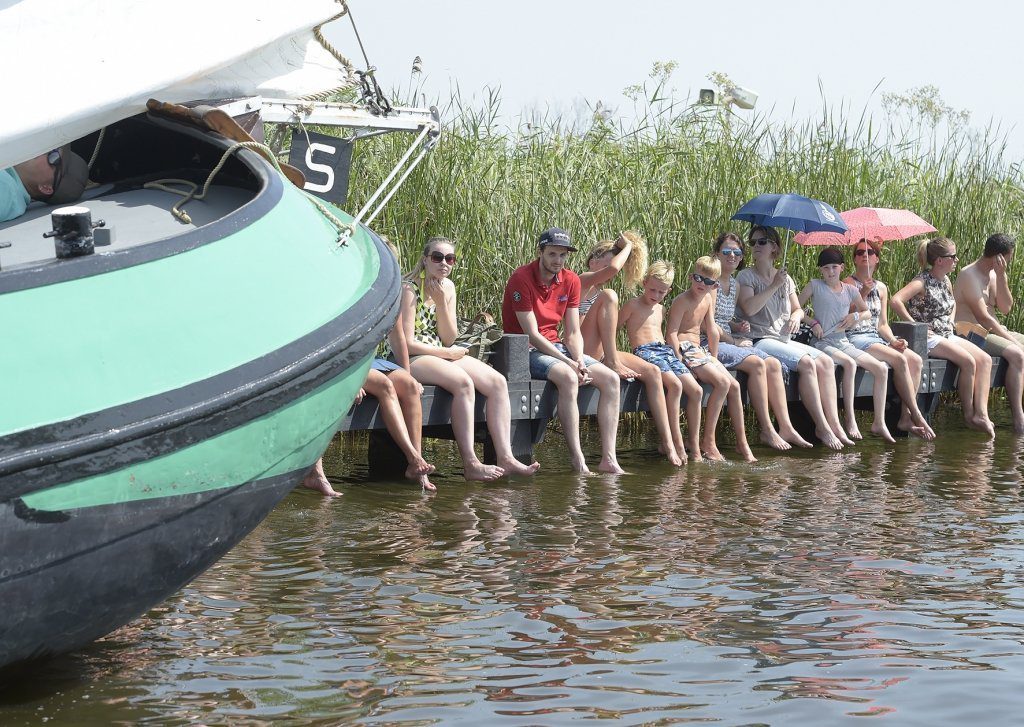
74 66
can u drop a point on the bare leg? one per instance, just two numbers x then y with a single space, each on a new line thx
719 391
694 394
777 399
757 388
451 378
651 377
949 349
811 398
499 415
879 371
673 394
317 480
1014 356
911 418
826 372
408 391
607 382
567 383
735 403
849 384
379 385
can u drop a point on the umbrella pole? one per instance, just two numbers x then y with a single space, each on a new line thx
785 249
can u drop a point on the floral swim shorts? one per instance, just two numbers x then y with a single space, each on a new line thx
662 356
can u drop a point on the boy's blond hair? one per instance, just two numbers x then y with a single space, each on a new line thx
708 266
663 272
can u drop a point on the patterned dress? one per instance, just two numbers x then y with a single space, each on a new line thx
933 305
874 303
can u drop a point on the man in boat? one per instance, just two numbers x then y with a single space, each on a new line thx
982 289
539 296
57 177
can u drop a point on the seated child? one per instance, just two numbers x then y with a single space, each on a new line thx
642 317
833 301
692 312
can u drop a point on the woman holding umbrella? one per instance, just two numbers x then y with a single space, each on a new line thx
928 298
767 300
876 337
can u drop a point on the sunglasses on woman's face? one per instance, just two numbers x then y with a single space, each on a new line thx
866 252
710 282
732 252
950 256
761 241
440 257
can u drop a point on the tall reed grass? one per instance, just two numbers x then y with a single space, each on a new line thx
677 174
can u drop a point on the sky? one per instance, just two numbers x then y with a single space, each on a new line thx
556 54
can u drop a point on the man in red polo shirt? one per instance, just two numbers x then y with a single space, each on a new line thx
538 297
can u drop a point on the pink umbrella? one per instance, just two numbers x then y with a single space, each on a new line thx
877 224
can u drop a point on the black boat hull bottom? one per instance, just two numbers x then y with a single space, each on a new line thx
80 574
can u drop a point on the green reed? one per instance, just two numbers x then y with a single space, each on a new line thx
676 175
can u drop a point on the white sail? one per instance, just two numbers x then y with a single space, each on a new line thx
73 66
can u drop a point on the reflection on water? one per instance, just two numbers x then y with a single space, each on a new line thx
807 588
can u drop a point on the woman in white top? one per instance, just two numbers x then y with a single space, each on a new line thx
767 301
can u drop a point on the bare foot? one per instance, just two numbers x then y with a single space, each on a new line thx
880 430
793 437
418 468
426 484
774 440
625 372
710 451
853 430
982 424
746 454
317 480
920 432
610 466
480 472
670 452
580 466
829 439
841 436
513 466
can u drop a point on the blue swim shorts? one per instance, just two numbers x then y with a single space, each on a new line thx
662 356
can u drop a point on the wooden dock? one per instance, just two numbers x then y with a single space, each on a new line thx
534 401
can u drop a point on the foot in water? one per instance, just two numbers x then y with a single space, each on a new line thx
710 452
793 437
775 440
982 424
317 480
610 466
853 430
918 428
514 467
746 454
426 484
829 439
418 468
880 430
480 472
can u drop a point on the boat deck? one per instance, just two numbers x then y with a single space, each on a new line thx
135 217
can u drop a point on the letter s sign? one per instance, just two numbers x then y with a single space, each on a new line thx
322 168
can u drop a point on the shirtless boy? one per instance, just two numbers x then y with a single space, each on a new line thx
642 316
980 290
691 312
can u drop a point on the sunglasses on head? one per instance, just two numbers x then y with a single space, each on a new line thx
440 257
732 252
868 251
710 282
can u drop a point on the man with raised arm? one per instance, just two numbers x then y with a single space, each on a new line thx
982 289
538 297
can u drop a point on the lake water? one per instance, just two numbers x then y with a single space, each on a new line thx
814 588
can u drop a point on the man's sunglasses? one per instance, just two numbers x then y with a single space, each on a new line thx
54 160
732 252
710 282
440 257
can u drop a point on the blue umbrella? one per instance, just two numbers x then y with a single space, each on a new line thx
793 212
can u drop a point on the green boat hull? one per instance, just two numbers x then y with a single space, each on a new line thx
141 444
